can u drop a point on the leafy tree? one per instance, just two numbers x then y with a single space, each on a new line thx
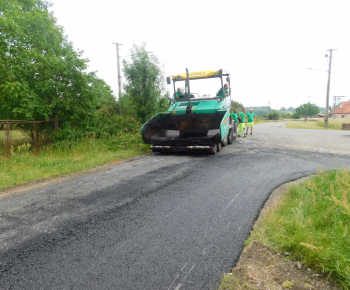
322 109
144 86
296 115
41 75
236 105
274 115
262 111
285 115
283 109
291 109
307 110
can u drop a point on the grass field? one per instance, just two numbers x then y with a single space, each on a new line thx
333 124
63 158
18 138
299 120
312 223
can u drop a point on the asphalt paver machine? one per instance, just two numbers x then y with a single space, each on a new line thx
193 122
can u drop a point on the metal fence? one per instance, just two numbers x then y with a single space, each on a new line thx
8 135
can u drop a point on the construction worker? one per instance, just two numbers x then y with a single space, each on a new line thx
250 123
241 125
226 91
178 95
234 115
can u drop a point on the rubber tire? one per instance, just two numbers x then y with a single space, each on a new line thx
224 142
218 147
230 137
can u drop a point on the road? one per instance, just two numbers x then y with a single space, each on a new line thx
324 141
156 221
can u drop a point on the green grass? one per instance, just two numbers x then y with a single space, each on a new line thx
66 157
227 282
333 124
312 223
18 138
298 120
260 120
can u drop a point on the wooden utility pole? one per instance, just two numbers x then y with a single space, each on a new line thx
328 87
119 79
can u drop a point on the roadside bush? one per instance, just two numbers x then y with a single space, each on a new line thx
286 116
296 115
258 119
274 115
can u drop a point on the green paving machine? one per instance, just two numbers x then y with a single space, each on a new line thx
193 122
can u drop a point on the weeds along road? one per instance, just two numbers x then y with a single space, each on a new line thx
153 222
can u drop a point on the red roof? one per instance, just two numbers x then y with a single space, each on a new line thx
342 108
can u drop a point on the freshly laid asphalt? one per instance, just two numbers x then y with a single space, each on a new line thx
153 222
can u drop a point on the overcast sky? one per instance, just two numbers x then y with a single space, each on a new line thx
266 45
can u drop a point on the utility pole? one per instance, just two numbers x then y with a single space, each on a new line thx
328 87
335 99
119 79
268 110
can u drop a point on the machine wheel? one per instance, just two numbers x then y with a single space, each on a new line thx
213 149
230 137
224 141
219 146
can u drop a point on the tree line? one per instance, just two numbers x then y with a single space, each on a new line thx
43 77
303 110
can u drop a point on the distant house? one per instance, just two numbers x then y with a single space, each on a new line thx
317 116
342 111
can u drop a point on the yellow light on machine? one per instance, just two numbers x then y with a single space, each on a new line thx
174 112
192 108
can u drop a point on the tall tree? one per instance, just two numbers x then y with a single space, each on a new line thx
262 111
144 83
306 110
41 75
236 105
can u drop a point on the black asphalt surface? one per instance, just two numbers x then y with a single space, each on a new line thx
154 222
